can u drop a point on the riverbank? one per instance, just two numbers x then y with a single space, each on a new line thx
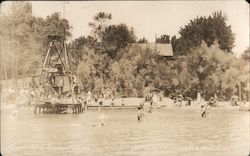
132 102
165 103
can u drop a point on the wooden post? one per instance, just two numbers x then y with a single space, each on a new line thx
239 90
16 79
47 55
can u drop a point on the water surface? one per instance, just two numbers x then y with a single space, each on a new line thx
163 132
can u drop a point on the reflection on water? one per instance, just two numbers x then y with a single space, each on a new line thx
168 132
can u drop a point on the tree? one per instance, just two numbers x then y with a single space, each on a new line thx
110 38
16 29
163 39
142 40
217 71
80 47
117 37
54 25
246 54
207 29
26 39
101 21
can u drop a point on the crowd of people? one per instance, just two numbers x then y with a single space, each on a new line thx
28 96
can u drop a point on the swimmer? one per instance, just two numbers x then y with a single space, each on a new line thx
204 111
99 125
103 119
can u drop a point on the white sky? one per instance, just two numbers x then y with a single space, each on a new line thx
151 17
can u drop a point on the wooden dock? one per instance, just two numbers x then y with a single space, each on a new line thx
109 107
58 108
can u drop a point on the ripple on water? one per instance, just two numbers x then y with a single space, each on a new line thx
168 132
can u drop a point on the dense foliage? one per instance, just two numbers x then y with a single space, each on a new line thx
111 58
206 29
25 39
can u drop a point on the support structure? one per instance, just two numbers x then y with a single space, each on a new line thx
57 80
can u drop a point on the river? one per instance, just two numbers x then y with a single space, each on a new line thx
163 132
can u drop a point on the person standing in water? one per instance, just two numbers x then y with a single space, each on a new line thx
112 101
179 100
151 107
205 108
151 101
203 114
140 111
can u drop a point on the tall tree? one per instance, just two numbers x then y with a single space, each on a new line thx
117 37
110 38
54 25
207 29
101 21
26 38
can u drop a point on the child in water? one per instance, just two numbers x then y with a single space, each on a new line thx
203 114
140 111
204 111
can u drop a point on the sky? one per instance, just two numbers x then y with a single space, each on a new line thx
151 17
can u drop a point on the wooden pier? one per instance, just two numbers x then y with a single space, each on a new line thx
109 107
58 108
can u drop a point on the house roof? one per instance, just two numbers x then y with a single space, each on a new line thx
161 48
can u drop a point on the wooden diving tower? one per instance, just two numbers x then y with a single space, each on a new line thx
59 87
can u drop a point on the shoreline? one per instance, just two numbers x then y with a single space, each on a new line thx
166 103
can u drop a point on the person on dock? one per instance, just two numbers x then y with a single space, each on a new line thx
89 96
199 99
84 103
95 98
100 102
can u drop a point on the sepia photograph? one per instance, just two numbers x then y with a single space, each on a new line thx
125 78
